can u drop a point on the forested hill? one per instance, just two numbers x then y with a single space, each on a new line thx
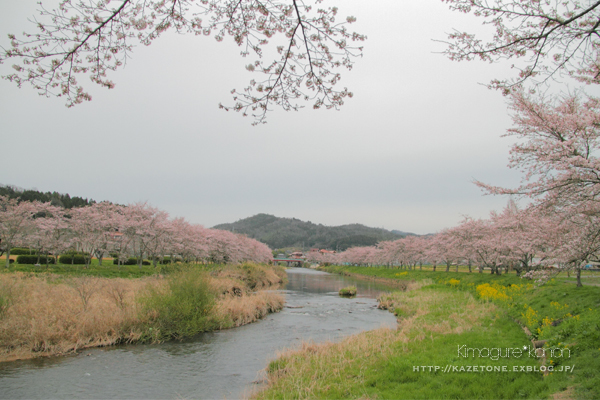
55 198
279 233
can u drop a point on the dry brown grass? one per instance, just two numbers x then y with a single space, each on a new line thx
565 395
236 311
253 276
52 315
390 282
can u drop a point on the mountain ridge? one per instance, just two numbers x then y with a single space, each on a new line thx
278 232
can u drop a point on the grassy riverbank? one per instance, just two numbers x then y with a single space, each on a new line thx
106 270
438 322
45 314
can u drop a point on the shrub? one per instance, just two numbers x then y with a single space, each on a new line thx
21 251
349 291
73 258
182 309
167 260
167 269
33 259
131 261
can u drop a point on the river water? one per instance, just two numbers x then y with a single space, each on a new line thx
226 364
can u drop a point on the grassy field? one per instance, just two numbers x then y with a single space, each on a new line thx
44 313
107 269
443 315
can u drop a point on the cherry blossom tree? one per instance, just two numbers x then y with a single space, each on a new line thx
444 250
391 253
91 38
92 228
359 255
463 239
549 38
185 240
16 222
51 232
414 246
526 237
146 229
484 244
253 250
580 242
557 149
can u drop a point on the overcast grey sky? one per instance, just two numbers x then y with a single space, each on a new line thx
401 154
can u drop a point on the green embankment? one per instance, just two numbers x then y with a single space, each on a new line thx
106 270
462 323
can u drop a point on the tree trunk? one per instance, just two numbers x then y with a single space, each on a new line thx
7 256
519 269
470 266
434 265
579 284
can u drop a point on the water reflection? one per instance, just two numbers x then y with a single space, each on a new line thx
214 365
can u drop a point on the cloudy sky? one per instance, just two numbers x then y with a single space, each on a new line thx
402 154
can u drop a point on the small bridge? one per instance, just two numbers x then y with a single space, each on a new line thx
290 261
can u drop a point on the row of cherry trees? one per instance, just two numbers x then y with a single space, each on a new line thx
135 230
556 147
514 239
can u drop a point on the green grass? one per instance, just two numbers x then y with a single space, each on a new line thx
106 270
389 365
182 309
349 291
559 312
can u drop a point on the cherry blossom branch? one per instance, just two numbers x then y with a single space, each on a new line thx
566 33
62 49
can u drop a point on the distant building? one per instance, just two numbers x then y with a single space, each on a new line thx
322 251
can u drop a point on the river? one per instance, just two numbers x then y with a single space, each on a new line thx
227 364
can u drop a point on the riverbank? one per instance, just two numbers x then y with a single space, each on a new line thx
427 356
49 314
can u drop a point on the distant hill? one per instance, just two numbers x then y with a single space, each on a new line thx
55 198
280 233
402 233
